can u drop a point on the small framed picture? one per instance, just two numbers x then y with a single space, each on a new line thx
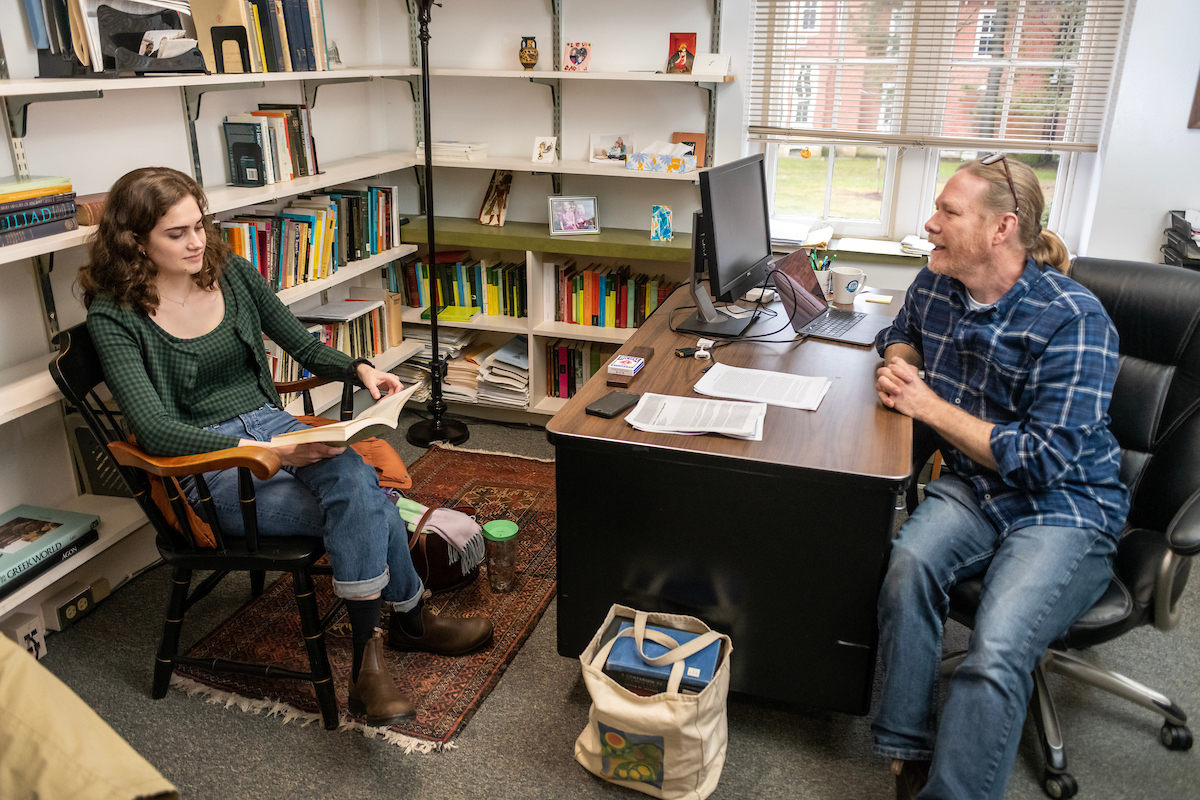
683 53
543 149
573 215
577 57
697 141
609 148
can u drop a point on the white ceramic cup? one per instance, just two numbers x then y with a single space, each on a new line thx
847 282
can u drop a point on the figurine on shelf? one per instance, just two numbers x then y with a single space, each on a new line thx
528 53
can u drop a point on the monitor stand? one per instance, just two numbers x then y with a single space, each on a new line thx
707 321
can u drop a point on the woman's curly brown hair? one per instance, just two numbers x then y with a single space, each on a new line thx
135 204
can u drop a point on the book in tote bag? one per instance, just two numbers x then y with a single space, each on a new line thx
669 745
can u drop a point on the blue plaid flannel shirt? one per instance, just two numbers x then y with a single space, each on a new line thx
1040 364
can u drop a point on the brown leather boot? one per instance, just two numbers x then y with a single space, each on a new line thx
911 777
446 636
374 695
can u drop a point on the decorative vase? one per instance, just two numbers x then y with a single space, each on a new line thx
528 53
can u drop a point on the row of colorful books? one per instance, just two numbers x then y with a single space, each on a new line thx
270 145
316 234
283 35
606 296
569 364
494 289
35 208
34 539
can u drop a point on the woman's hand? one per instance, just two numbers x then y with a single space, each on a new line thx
297 455
378 383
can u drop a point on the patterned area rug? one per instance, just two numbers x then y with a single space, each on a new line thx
447 691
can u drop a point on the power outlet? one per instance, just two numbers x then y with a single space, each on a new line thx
27 631
71 604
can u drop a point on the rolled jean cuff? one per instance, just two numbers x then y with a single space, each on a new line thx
404 606
904 754
355 589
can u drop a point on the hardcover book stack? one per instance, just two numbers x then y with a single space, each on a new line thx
35 208
569 365
495 289
270 145
626 666
606 297
34 539
315 234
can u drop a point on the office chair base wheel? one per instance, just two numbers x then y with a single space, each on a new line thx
1175 737
1059 785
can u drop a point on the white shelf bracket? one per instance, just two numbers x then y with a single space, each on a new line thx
16 114
190 95
309 87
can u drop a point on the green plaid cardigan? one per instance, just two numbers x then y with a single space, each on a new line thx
153 378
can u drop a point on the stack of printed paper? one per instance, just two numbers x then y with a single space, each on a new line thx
763 386
451 341
504 375
455 151
661 413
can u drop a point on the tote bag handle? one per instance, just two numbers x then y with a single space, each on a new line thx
675 655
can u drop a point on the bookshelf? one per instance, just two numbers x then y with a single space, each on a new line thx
533 243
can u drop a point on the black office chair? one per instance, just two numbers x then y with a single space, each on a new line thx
1155 414
77 372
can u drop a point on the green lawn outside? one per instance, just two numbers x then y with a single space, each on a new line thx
858 182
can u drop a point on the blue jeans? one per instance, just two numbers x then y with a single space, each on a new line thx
337 499
1037 582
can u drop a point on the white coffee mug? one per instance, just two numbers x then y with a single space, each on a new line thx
847 282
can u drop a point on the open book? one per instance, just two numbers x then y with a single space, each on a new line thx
373 421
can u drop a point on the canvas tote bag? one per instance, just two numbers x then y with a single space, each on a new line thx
668 745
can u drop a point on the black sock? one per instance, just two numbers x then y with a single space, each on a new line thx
364 619
410 620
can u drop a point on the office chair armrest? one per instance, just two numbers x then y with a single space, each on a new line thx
1183 534
263 462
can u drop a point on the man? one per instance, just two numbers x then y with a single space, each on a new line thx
1019 367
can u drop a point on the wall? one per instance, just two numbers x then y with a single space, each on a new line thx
1149 162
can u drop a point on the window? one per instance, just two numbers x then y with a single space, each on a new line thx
808 15
985 35
914 83
804 94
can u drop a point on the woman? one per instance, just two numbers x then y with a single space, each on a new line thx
178 321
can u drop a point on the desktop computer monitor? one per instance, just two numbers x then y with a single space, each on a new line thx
731 241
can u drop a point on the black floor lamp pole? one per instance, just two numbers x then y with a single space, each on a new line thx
437 429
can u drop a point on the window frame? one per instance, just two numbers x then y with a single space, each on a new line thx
842 226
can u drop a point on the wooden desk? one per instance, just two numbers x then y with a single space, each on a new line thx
781 543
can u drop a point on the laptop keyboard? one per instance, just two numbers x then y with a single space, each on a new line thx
835 322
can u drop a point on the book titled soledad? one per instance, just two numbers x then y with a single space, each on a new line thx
625 662
373 421
32 539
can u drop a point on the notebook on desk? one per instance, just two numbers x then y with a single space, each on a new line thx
809 313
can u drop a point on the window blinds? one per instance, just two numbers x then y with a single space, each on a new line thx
994 74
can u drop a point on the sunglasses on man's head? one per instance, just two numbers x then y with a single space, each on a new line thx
992 159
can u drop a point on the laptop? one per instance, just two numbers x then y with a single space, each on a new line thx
804 303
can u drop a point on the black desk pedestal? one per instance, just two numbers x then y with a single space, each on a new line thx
787 561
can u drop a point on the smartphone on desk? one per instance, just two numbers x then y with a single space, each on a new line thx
612 404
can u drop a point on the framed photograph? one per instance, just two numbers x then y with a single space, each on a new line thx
698 142
543 149
609 148
577 57
682 53
573 215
